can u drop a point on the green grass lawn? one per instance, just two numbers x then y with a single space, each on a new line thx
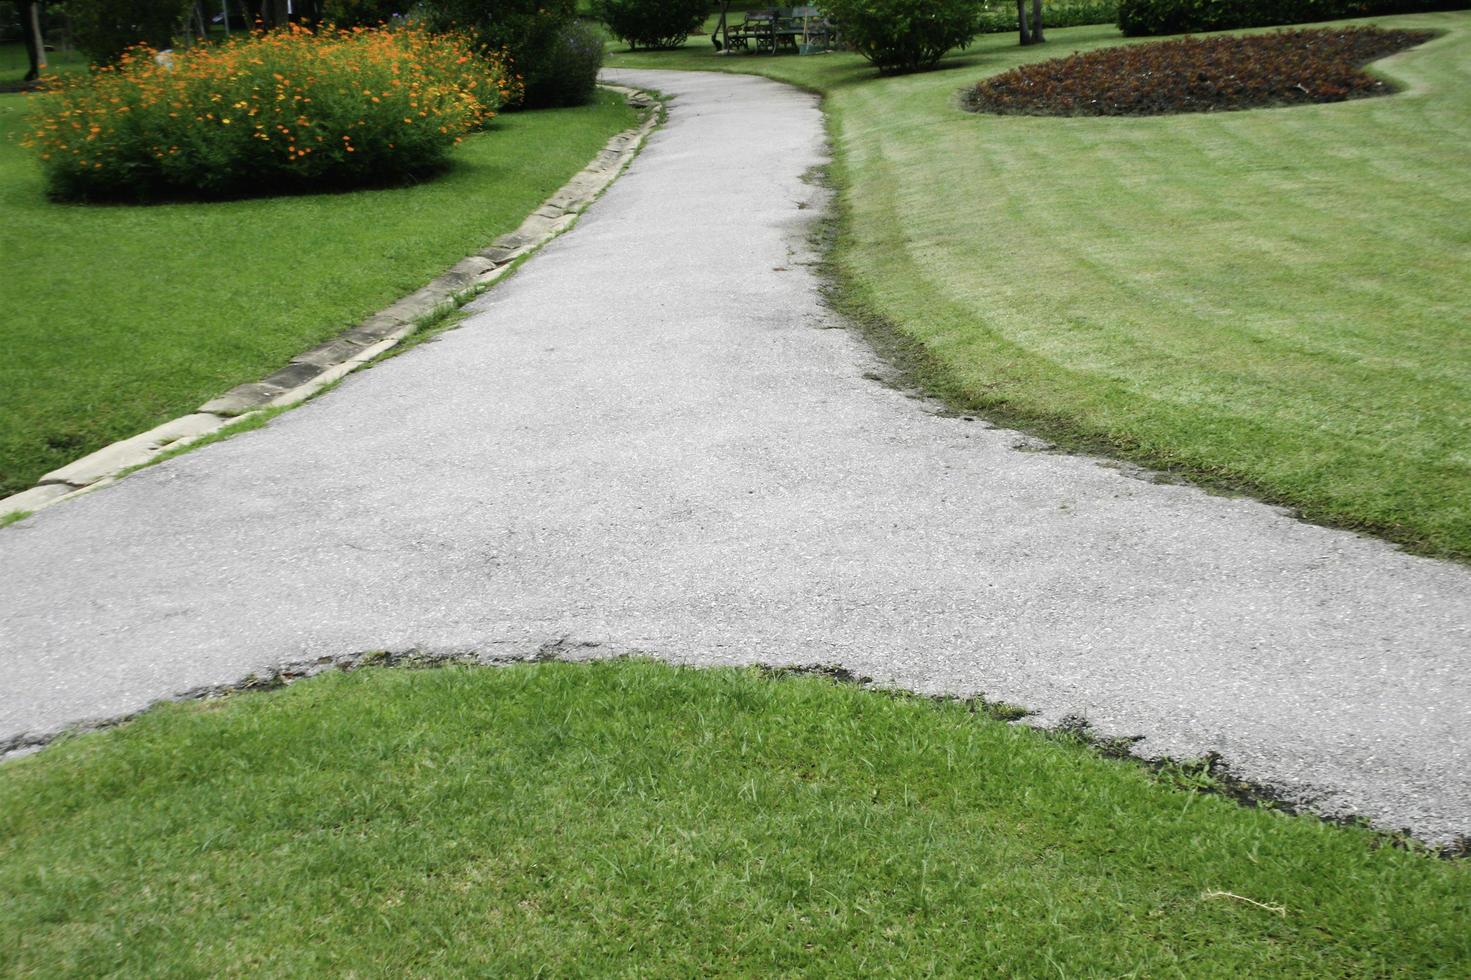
14 64
630 818
1275 300
118 318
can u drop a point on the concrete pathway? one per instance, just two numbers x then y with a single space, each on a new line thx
647 440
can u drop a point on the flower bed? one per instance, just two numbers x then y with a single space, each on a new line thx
282 111
1198 75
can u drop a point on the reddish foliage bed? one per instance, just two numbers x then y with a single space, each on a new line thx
1198 75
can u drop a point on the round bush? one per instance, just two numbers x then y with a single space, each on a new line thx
570 73
287 110
526 31
103 29
652 23
905 35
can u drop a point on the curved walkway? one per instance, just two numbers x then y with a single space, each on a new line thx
645 441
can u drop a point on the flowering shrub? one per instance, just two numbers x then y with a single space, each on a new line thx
1198 74
280 111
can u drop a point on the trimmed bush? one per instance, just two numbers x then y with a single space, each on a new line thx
103 29
1198 75
571 69
526 31
659 24
287 110
900 36
1153 17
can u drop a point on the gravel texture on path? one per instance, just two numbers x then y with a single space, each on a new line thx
652 440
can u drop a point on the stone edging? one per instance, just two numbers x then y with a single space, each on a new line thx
310 372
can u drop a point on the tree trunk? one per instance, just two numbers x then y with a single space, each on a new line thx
30 15
1021 19
1037 37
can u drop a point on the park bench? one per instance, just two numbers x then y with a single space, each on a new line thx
803 29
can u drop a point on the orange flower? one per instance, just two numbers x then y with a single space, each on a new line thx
380 83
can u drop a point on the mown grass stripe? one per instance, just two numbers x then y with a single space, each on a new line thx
1271 300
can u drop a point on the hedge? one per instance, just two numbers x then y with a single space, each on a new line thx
1151 17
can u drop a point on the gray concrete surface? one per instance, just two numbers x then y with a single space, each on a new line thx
647 441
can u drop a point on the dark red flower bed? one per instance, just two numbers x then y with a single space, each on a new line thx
1199 75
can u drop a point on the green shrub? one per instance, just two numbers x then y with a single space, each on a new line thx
652 23
570 73
1152 17
526 31
1001 18
103 29
365 13
287 110
904 35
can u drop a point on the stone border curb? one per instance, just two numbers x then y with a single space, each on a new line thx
311 371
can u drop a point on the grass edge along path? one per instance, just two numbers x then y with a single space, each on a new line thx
236 288
590 818
1116 286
